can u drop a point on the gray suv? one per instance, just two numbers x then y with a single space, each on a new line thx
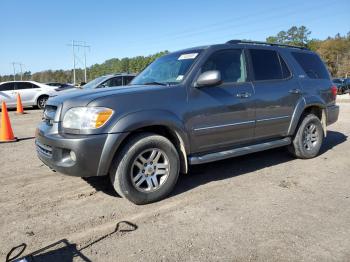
190 107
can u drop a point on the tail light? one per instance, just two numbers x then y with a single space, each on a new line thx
334 91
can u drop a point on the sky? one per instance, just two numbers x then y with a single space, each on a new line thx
37 33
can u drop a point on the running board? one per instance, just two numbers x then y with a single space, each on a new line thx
195 160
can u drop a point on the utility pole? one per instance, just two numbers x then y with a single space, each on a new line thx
14 71
78 44
85 78
20 65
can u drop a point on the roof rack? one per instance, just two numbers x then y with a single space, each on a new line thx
264 43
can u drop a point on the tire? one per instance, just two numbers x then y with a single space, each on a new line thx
42 101
134 175
308 138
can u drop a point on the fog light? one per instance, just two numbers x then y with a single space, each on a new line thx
73 156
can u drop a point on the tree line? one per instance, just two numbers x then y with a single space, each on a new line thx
335 52
114 65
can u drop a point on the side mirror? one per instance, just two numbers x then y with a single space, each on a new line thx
209 78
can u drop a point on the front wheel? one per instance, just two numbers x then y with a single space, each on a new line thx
42 101
146 170
308 138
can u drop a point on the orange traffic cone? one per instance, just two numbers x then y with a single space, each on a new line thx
6 133
19 105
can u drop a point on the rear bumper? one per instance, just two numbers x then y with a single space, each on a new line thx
93 153
332 114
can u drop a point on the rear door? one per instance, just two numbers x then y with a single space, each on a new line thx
276 93
7 93
223 115
27 91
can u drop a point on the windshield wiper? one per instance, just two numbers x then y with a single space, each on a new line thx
156 83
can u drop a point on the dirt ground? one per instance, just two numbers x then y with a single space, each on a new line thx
266 206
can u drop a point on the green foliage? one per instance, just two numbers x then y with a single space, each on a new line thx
114 65
335 51
298 36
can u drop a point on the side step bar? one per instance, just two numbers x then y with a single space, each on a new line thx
195 160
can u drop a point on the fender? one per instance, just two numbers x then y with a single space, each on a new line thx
141 119
302 104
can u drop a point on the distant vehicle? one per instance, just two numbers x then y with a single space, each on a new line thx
121 79
109 81
32 93
347 84
60 86
342 88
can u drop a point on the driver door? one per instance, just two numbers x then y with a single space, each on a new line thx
223 115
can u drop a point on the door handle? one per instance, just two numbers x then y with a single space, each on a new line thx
244 95
295 91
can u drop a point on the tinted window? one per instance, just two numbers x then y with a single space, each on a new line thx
267 65
230 63
116 81
7 87
312 65
23 85
285 71
127 79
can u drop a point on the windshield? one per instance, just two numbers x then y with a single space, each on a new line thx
94 83
167 70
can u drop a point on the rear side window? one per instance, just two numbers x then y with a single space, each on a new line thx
312 65
268 65
23 85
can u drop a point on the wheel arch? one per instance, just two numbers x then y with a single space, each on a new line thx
314 105
39 96
159 122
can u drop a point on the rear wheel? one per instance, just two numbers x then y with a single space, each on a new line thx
146 170
308 138
41 103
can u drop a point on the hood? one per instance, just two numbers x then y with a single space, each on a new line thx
83 97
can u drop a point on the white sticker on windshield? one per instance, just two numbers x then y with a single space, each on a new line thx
179 78
188 56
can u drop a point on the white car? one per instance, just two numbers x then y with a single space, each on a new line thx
32 93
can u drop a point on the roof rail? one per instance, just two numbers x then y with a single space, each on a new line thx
264 43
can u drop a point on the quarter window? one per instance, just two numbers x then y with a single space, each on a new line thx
268 65
312 65
230 63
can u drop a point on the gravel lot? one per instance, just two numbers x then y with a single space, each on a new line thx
261 207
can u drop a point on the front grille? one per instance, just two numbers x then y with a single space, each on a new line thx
49 114
43 149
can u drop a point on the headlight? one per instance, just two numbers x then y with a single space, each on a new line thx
86 117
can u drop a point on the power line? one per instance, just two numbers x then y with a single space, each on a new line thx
237 22
230 35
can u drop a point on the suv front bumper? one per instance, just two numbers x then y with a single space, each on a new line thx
92 154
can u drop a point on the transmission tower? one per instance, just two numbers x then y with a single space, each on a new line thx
14 69
77 56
